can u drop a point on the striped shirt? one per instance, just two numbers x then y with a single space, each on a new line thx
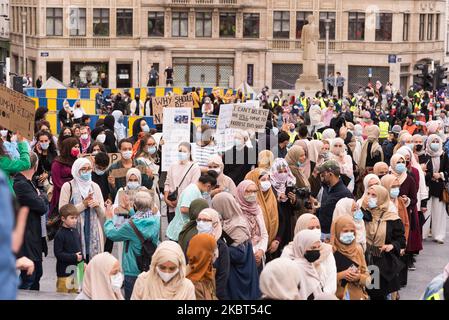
201 155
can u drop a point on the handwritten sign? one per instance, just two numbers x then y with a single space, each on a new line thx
121 173
248 118
17 112
159 103
113 157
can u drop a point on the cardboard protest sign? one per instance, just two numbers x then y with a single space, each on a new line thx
17 112
121 173
113 157
159 103
246 117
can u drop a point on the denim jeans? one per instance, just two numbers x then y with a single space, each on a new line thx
129 286
31 282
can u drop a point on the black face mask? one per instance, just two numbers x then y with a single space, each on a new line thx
418 147
312 255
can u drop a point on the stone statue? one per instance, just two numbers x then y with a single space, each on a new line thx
309 39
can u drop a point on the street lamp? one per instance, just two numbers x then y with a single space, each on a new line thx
24 21
326 53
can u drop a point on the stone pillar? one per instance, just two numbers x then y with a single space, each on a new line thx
239 25
191 23
112 73
215 24
66 75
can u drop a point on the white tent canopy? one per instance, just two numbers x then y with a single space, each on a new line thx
53 83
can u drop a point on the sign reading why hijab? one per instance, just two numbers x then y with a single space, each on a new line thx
17 112
176 129
246 116
160 103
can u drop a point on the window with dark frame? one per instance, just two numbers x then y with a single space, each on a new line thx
405 26
77 21
227 24
356 26
54 21
281 24
322 25
301 21
156 21
203 25
422 26
437 26
384 25
251 25
101 22
180 24
429 26
125 22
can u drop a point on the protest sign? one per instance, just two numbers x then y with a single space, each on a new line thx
211 121
176 129
160 103
224 136
248 117
121 173
113 157
17 112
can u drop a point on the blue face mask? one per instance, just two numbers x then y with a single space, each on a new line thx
435 146
182 156
358 215
347 237
299 164
372 203
401 168
152 150
204 227
394 193
199 136
205 195
238 143
410 145
86 176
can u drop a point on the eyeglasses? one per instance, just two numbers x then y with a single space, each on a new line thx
203 220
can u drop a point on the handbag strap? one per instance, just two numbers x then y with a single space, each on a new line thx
136 231
185 176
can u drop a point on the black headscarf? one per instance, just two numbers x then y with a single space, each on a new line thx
109 122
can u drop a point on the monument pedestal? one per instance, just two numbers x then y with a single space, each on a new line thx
309 84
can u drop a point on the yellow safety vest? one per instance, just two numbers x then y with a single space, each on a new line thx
353 108
437 296
292 136
323 104
319 135
304 103
383 128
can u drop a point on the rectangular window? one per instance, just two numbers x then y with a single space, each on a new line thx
54 21
384 24
356 26
227 25
284 76
422 26
180 24
281 24
405 26
251 25
331 17
429 26
250 74
125 22
156 22
437 26
301 21
203 24
101 22
77 22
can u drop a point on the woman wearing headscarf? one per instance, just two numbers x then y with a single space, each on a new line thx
247 199
280 280
119 128
306 250
87 197
339 154
315 147
419 150
306 166
166 279
325 265
268 204
243 283
353 275
133 185
371 150
281 177
358 132
391 183
385 239
190 228
102 279
329 134
381 169
265 160
209 222
108 127
404 139
436 176
348 207
200 270
368 181
224 183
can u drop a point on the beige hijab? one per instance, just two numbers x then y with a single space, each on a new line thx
149 286
373 134
97 278
292 158
393 162
315 150
376 230
279 280
305 146
266 160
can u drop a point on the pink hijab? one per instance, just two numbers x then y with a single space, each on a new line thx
250 211
279 181
305 145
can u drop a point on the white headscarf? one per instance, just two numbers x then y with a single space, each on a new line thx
119 128
84 187
279 280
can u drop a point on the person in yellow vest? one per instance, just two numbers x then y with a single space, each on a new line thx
292 133
275 103
384 127
304 101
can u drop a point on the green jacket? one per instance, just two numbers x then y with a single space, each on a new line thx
11 166
149 227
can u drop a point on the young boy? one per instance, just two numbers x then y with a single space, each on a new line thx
67 249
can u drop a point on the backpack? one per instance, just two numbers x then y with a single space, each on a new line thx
148 248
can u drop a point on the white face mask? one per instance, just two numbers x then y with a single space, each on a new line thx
317 231
265 185
4 133
146 128
101 138
127 155
204 227
166 277
217 170
117 281
86 136
133 185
